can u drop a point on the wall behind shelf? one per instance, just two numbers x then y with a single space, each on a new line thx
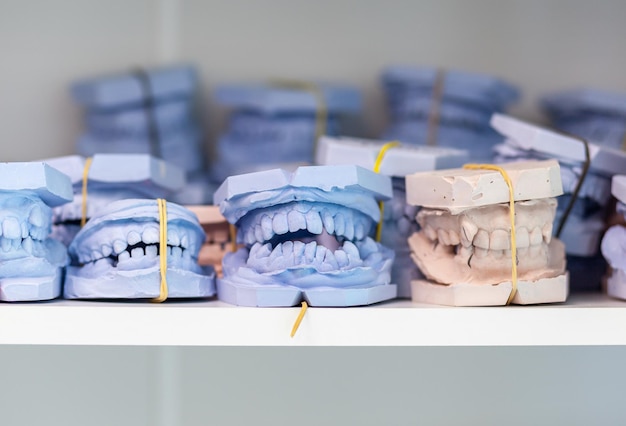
540 45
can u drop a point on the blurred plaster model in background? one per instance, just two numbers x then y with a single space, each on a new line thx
614 244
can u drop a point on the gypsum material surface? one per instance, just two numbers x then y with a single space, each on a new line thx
614 244
198 189
272 99
306 238
464 86
412 106
116 255
464 247
110 177
249 126
127 89
585 100
399 218
31 263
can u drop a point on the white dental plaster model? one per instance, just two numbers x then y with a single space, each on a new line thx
614 244
464 247
398 218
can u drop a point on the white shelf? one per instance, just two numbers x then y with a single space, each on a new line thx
584 320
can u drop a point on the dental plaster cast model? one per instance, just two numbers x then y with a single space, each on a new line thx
585 223
306 237
117 254
399 217
449 108
278 123
31 263
464 247
110 177
614 244
218 241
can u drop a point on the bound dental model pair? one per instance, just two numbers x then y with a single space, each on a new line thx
614 244
399 217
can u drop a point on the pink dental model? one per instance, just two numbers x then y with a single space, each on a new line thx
464 246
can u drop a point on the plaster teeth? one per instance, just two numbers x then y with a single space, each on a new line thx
151 251
249 237
264 251
521 237
96 255
430 233
298 249
499 240
280 224
329 223
468 231
276 253
296 221
480 253
443 237
150 235
16 243
546 231
177 252
319 255
314 223
359 230
133 238
123 256
309 251
24 229
173 238
330 262
184 240
11 228
481 240
340 224
351 250
27 244
349 231
119 246
36 216
137 252
367 247
266 227
454 238
497 254
106 250
535 237
342 258
534 251
258 233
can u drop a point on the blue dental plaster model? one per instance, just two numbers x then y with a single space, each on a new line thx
31 264
306 237
110 177
399 218
272 124
456 104
614 244
116 254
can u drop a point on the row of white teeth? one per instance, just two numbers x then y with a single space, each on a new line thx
149 252
522 253
12 228
297 253
498 239
313 221
150 235
13 244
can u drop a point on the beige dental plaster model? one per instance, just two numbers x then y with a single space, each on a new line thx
464 246
218 240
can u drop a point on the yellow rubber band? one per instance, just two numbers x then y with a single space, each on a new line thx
163 292
296 325
83 218
233 237
507 179
381 205
321 113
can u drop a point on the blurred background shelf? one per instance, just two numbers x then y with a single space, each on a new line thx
587 319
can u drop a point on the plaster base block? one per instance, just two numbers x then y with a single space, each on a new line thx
546 290
29 289
616 284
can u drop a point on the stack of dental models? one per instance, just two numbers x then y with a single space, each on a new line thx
445 107
614 244
598 116
584 226
275 124
465 245
110 177
31 263
119 253
306 237
146 112
399 217
218 239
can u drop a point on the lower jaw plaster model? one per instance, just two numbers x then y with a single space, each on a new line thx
31 264
306 237
464 247
614 244
117 254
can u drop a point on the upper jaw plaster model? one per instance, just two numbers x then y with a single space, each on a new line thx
306 236
117 255
614 244
464 248
31 264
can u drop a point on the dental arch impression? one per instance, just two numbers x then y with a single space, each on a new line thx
117 254
306 236
464 247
